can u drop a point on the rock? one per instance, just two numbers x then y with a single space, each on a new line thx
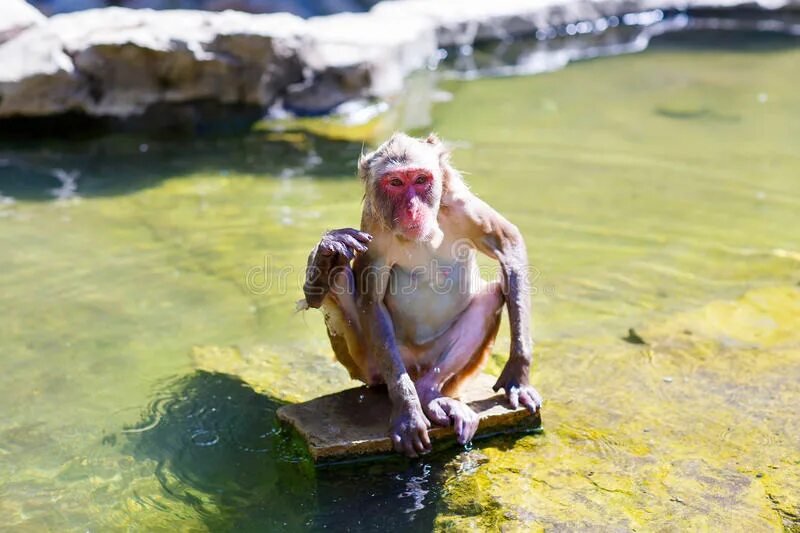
132 59
37 78
17 16
354 424
118 62
351 56
142 64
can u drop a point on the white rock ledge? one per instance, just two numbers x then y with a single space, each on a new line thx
119 63
16 16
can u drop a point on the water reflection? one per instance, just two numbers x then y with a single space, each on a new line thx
553 48
120 164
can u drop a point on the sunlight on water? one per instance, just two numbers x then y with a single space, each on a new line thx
149 330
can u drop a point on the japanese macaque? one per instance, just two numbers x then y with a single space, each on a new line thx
403 300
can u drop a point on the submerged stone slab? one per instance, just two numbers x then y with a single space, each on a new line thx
354 424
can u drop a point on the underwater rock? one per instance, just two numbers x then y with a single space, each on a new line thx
17 16
633 337
354 423
267 371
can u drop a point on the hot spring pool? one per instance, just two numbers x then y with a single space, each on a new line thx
148 329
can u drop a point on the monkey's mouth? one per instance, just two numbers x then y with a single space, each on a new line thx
414 229
416 232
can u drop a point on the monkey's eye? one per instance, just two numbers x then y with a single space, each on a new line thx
396 182
421 179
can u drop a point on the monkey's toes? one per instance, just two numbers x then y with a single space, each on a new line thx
444 411
437 413
465 425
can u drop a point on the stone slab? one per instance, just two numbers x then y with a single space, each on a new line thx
353 424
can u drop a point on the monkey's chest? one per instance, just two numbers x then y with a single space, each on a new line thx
425 300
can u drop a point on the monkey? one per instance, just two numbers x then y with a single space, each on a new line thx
402 298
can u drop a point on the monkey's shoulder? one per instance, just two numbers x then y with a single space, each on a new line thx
463 214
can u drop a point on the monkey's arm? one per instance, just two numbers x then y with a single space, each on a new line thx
495 236
409 426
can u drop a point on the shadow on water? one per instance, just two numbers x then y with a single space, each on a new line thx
221 452
123 164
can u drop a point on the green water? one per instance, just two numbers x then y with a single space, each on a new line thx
148 329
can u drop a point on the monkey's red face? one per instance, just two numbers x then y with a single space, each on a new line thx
413 195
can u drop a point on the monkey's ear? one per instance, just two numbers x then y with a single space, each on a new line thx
363 165
433 139
444 151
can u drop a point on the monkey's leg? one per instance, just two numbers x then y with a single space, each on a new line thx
344 330
458 355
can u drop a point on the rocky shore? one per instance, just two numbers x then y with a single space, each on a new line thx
125 64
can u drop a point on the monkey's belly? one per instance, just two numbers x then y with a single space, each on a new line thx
424 307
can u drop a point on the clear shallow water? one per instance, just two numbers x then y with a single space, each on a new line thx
657 191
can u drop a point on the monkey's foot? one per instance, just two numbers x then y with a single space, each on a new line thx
444 411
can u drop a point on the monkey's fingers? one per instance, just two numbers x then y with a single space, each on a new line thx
343 249
426 440
362 236
408 447
402 445
397 443
351 242
422 443
343 242
325 248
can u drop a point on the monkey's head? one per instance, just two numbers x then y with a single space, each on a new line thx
403 180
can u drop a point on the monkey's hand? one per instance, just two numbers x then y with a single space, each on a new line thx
336 249
409 430
342 244
514 380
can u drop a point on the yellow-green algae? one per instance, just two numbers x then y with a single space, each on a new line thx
695 431
658 192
